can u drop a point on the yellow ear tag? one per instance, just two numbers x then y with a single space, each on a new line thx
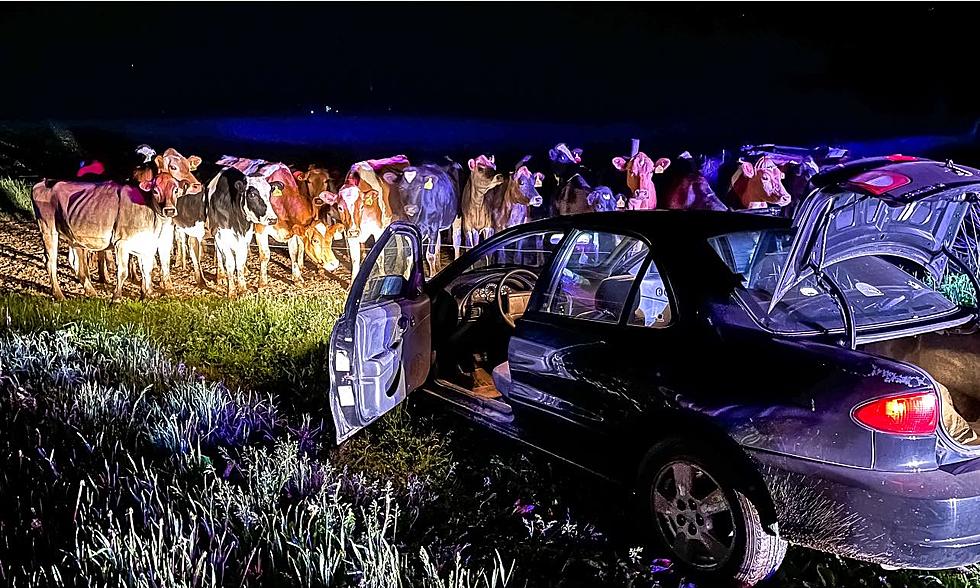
277 192
428 183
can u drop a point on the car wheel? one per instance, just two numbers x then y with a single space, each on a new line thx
703 517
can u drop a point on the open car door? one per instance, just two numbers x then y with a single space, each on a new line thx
381 346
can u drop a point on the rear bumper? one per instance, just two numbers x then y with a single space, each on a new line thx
923 520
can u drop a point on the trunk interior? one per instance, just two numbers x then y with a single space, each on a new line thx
953 360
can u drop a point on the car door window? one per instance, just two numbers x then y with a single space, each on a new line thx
529 251
653 309
391 273
593 277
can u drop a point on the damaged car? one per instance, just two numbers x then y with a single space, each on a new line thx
756 381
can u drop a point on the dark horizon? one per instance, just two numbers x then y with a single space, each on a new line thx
799 70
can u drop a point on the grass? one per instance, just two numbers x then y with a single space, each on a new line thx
185 443
16 196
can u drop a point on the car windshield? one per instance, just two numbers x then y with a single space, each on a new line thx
878 291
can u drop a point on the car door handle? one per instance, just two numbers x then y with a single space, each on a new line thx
406 322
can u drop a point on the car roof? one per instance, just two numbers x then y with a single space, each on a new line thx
665 225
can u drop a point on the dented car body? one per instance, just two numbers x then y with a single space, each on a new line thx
619 341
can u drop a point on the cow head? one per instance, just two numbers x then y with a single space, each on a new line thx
527 186
761 184
601 199
562 155
316 182
257 201
179 167
360 203
410 184
639 178
165 190
318 241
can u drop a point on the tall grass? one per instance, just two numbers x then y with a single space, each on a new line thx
15 195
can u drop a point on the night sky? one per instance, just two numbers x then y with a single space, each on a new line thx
833 68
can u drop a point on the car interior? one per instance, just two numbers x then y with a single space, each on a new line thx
591 279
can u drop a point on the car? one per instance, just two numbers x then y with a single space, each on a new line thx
755 380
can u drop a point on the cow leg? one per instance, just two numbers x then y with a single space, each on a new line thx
241 254
196 251
49 237
146 273
457 235
355 256
228 257
103 261
432 252
262 240
133 270
181 238
296 257
81 269
220 271
122 270
164 248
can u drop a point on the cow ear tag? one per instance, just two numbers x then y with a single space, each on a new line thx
277 192
537 182
428 183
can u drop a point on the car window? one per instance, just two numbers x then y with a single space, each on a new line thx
593 277
391 273
653 309
529 251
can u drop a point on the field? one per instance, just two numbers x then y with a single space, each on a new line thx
185 441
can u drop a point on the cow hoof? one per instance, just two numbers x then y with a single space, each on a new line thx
90 292
298 279
58 296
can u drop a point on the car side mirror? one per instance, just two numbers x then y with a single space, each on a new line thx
392 286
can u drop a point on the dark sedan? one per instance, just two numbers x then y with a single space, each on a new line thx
756 380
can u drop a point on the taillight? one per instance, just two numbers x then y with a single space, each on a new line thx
916 413
900 157
880 181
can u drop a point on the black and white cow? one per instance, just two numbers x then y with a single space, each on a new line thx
231 204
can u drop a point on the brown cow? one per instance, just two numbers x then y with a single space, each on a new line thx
510 202
172 162
97 216
369 201
639 179
759 185
476 223
295 215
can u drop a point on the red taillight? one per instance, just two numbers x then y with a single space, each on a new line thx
880 181
916 413
900 157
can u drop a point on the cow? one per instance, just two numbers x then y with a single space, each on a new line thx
684 186
577 196
430 200
564 165
295 212
475 223
235 205
316 182
759 185
369 201
639 170
98 216
510 201
172 162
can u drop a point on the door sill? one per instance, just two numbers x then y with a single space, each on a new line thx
498 410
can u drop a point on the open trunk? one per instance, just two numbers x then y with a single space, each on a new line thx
953 360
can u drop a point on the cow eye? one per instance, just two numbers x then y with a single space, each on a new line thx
173 167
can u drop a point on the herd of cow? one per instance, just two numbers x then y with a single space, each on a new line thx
172 198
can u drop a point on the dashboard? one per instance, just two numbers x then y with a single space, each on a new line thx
477 291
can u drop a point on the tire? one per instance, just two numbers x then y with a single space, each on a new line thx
703 517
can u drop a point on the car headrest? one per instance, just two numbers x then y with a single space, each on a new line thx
611 295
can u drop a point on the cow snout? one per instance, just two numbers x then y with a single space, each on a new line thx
169 211
353 232
331 265
536 201
271 220
641 194
411 210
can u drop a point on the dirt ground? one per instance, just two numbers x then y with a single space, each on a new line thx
22 270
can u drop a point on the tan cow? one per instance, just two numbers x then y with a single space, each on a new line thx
759 185
475 223
100 216
639 170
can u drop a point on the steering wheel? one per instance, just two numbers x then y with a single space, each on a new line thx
519 300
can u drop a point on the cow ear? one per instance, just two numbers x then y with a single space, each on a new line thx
239 186
577 152
472 164
748 170
147 185
496 181
193 161
592 197
538 179
158 161
552 155
391 177
619 163
662 164
300 176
